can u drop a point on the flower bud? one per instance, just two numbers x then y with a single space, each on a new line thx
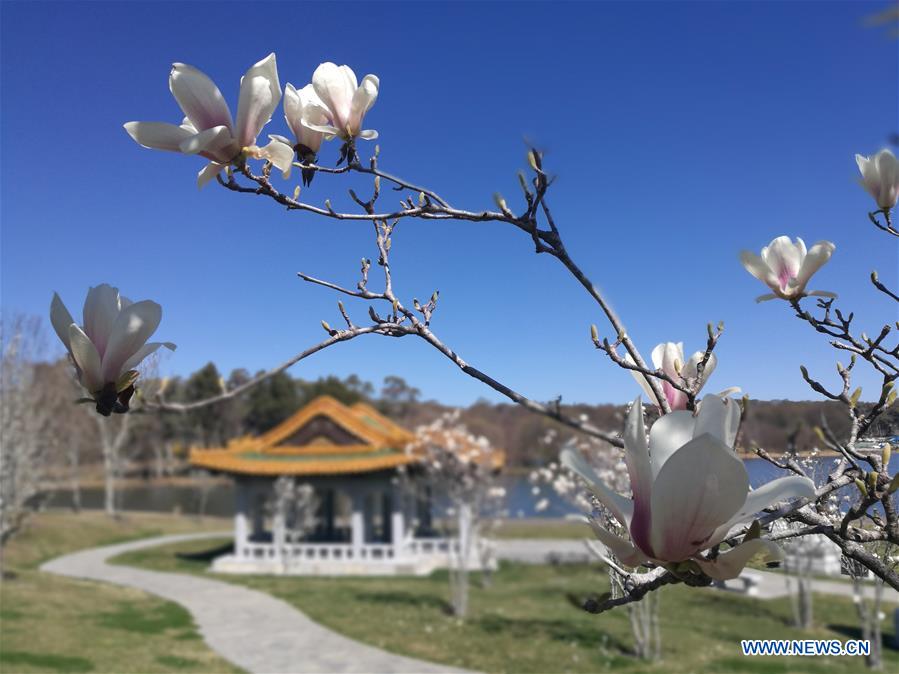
886 454
861 487
856 394
326 327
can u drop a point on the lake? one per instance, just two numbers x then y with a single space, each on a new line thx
220 495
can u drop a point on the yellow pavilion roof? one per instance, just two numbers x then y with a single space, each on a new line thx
370 442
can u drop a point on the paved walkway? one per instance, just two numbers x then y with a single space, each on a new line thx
251 629
770 586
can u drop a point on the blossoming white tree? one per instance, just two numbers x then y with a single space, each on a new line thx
692 517
463 467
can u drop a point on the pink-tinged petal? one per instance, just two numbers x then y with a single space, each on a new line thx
101 308
700 487
86 359
769 494
730 564
158 135
784 259
818 255
719 417
636 456
143 352
208 172
625 551
199 98
677 400
671 432
129 333
620 507
260 93
61 319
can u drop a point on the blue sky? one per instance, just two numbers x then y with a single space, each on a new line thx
680 133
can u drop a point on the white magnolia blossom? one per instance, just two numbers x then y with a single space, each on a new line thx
208 129
786 267
300 104
689 491
880 177
112 341
669 358
344 102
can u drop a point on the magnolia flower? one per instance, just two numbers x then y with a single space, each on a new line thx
208 130
786 267
669 358
344 102
110 344
297 104
689 491
880 176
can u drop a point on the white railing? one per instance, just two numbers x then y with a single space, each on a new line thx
311 552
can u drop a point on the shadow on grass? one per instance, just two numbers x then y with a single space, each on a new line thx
855 632
557 630
424 601
155 621
207 555
10 660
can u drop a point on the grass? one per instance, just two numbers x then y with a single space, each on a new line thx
55 624
527 621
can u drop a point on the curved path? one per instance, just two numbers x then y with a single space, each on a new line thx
251 629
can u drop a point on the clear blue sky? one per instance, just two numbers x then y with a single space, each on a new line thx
680 133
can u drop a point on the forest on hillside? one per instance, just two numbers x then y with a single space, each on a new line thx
154 439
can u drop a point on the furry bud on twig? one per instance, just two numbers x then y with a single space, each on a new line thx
856 394
594 333
327 327
861 487
872 481
296 192
886 453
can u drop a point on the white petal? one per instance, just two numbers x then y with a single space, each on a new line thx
143 352
719 417
621 507
622 549
730 564
700 487
86 358
636 456
335 86
199 98
209 141
671 432
61 319
208 172
756 266
101 308
769 494
368 134
767 297
130 332
818 255
158 135
363 98
260 92
278 153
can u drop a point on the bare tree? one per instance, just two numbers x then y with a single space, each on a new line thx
113 434
24 446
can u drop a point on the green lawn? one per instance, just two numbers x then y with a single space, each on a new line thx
526 622
54 624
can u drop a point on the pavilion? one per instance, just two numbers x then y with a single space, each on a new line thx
367 520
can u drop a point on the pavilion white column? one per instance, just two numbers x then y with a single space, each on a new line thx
397 531
241 525
357 524
279 533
